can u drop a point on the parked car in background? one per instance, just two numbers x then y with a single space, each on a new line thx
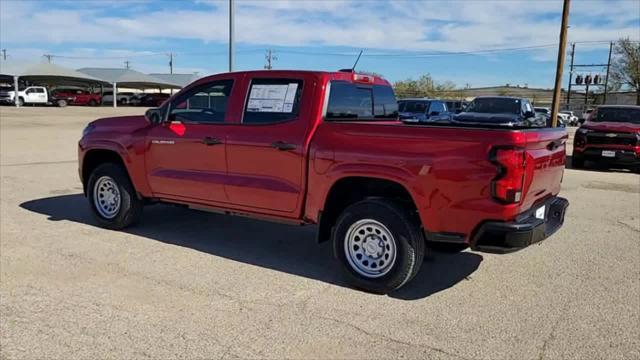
501 111
563 119
610 135
327 148
80 97
456 106
150 99
423 110
124 98
60 100
572 119
33 95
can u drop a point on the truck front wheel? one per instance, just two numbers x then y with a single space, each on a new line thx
20 101
112 198
379 244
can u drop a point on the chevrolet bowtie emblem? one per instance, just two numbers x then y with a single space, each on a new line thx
611 135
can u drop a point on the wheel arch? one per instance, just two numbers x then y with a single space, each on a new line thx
95 157
351 189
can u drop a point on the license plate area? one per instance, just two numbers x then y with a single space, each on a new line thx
608 153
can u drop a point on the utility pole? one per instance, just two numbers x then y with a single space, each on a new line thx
231 35
562 48
48 56
270 57
170 63
573 51
4 54
606 78
126 64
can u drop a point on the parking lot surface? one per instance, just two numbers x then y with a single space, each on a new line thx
188 284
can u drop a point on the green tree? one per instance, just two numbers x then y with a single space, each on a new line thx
625 66
424 86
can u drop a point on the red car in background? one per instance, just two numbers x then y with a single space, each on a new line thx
610 135
80 97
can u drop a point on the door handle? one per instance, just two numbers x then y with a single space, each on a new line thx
283 146
211 141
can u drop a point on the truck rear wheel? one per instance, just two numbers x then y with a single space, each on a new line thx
379 244
112 198
92 102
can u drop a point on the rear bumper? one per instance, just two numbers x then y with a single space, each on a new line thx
622 156
505 237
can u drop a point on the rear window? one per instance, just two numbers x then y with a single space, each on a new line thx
626 115
495 106
349 101
416 107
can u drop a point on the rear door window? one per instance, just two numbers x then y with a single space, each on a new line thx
272 101
349 101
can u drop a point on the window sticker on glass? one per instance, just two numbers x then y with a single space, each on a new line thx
272 98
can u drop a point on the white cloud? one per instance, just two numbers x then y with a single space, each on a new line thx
393 25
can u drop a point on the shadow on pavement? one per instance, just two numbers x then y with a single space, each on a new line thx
286 248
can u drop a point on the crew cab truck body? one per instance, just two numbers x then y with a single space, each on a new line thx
327 148
30 95
610 135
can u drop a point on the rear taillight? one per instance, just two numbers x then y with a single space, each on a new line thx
508 185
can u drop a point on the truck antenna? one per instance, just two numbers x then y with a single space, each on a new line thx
356 63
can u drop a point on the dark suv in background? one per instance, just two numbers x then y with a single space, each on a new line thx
423 110
501 111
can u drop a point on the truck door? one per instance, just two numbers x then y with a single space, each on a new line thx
266 151
185 157
35 95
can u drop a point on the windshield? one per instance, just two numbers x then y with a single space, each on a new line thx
623 115
494 106
413 106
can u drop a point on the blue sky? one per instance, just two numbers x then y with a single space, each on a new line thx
321 35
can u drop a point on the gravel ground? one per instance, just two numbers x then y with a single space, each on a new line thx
187 284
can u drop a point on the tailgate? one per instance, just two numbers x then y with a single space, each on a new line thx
545 160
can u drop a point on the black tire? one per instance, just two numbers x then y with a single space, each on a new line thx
62 103
577 163
92 102
130 209
20 101
404 227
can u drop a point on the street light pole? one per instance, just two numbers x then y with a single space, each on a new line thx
562 48
231 35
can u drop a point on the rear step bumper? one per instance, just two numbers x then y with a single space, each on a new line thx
505 237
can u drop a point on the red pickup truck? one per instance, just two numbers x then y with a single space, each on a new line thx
79 97
327 148
611 136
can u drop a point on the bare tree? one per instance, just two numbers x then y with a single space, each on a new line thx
625 66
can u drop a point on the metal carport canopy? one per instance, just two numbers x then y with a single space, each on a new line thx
129 78
45 73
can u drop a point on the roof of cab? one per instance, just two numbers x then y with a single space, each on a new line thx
331 75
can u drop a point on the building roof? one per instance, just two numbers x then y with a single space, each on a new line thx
129 78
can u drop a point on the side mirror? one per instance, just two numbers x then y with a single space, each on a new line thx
153 115
529 114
